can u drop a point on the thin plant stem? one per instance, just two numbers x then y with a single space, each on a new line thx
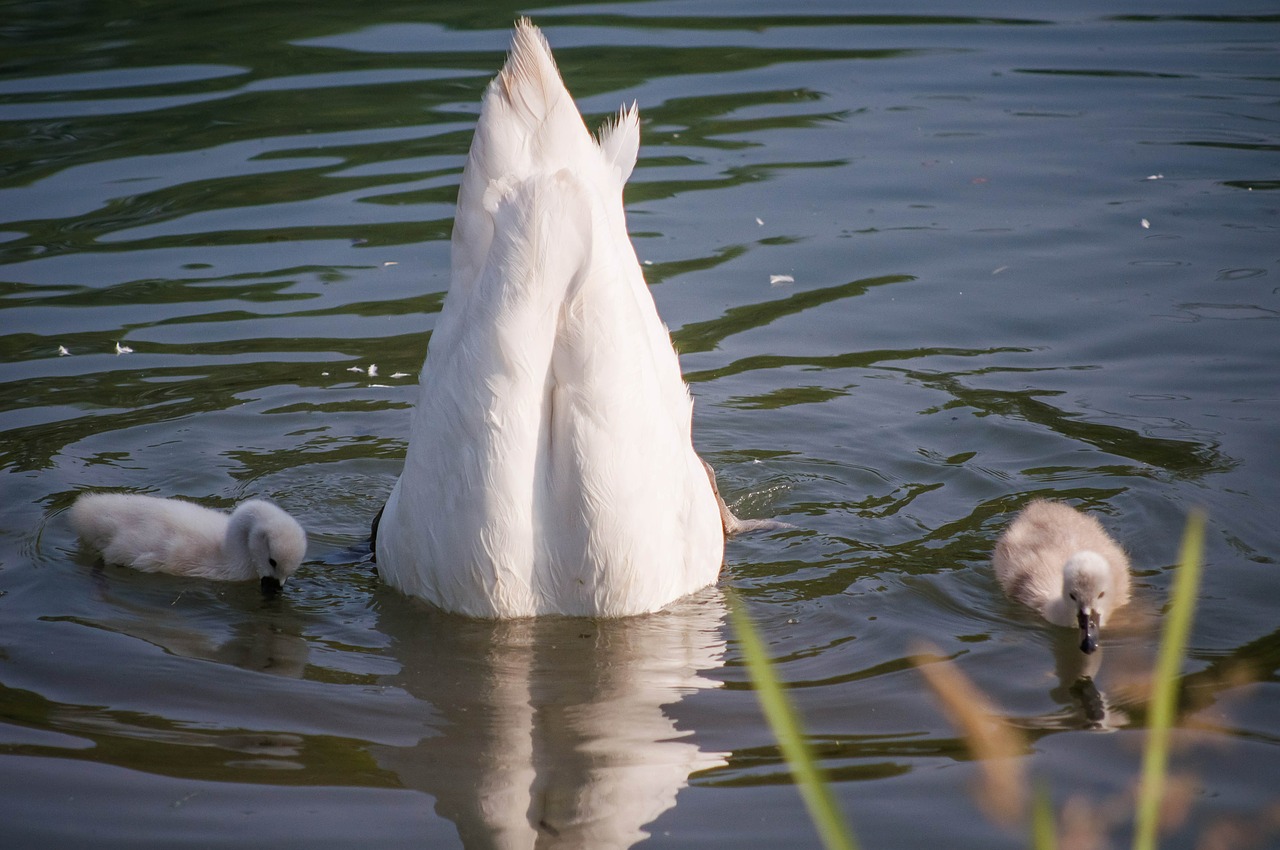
1173 647
1044 832
785 723
994 744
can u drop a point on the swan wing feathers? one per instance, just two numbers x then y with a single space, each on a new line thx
468 481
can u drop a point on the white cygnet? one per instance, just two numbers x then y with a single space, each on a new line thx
1063 564
256 541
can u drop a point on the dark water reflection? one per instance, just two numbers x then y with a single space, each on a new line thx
921 268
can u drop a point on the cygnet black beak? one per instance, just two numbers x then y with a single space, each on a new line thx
270 585
1088 631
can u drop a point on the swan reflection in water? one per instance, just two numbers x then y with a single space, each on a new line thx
1077 687
228 624
551 732
1096 691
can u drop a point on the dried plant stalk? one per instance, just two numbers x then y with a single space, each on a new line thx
995 745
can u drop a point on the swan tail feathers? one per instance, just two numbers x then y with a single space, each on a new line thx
528 125
619 142
530 81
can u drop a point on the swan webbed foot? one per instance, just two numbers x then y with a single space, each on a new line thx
733 525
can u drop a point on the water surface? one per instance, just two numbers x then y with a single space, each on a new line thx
921 267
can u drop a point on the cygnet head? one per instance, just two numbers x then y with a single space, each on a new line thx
1086 585
275 542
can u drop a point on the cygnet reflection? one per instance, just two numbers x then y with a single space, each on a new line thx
1077 675
552 732
194 620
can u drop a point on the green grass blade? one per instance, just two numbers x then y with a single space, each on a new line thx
814 790
1164 695
1044 833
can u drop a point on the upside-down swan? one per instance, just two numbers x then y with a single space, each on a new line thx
1063 564
550 466
258 540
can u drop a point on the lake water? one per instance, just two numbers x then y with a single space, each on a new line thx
920 266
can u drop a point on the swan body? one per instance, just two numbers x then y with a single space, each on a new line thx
1063 564
256 541
550 467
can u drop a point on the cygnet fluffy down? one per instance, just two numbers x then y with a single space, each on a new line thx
256 541
1063 564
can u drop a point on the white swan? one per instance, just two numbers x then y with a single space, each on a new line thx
256 541
1063 564
550 467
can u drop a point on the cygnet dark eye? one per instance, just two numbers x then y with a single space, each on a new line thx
1102 594
272 562
1073 596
